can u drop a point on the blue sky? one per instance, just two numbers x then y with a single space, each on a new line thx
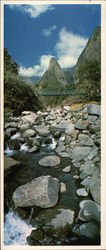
34 33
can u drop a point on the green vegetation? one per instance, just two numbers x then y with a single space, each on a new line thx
89 75
18 96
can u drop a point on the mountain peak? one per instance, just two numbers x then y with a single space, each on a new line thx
53 64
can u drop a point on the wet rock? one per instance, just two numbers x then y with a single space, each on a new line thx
63 187
14 144
29 133
33 149
11 131
89 230
89 211
94 109
82 192
65 217
41 192
76 177
67 169
79 153
35 236
57 134
47 140
50 161
10 164
56 223
95 187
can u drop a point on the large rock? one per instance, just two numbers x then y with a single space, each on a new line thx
69 129
56 222
94 109
50 161
85 140
94 186
89 230
89 211
29 117
10 164
79 153
43 130
64 218
11 125
80 124
42 192
29 132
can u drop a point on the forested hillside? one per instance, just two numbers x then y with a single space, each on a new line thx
18 96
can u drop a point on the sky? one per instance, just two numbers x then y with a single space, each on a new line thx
35 33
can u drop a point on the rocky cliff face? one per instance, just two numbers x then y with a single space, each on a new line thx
92 51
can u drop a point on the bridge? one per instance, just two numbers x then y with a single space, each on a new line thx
65 93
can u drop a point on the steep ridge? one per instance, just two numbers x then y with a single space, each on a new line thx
54 79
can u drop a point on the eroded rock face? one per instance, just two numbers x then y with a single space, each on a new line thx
42 192
50 161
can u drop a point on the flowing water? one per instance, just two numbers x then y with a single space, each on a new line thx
15 228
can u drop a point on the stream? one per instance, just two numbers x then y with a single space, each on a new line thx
15 228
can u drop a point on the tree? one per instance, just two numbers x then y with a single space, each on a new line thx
89 76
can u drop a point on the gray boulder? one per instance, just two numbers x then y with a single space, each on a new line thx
79 153
29 133
89 230
42 192
10 164
85 140
89 211
43 130
50 161
94 109
95 187
29 117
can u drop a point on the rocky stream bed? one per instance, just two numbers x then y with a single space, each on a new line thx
52 177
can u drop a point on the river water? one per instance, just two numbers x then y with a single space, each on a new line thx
16 229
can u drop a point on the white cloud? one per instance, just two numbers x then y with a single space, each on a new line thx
69 47
37 70
48 32
32 10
